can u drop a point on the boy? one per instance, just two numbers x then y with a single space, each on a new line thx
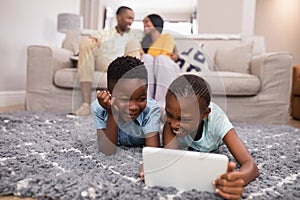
123 115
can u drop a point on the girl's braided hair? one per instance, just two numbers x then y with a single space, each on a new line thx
189 85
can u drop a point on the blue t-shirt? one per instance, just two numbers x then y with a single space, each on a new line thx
133 132
215 127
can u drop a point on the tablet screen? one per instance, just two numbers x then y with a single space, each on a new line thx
184 170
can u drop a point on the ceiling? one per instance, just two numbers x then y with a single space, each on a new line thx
162 7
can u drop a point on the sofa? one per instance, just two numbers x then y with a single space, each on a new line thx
250 84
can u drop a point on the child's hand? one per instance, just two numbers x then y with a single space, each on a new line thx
141 169
104 99
107 101
230 185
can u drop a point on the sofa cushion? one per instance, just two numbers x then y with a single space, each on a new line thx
231 83
235 59
235 84
193 58
67 78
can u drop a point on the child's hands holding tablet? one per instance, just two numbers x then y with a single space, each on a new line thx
230 185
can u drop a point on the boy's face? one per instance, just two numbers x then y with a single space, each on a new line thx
183 114
130 97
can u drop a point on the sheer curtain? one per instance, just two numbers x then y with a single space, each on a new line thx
90 9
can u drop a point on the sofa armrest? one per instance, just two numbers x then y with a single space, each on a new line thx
42 62
274 70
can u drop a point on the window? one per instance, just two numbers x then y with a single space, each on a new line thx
181 28
182 24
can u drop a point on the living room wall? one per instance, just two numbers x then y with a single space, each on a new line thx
34 22
24 23
279 22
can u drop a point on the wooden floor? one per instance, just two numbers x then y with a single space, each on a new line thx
292 122
12 108
14 198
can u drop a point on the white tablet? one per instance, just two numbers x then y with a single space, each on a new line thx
184 170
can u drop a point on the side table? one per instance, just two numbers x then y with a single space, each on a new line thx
295 96
74 60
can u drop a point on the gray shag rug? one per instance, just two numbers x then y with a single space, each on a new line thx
50 156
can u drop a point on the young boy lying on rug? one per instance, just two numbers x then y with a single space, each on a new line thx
123 115
195 123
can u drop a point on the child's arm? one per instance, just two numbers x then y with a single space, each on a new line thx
108 138
169 139
152 139
230 185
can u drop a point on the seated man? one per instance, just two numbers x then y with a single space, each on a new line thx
96 53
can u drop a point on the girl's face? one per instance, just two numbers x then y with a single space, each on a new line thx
130 97
148 26
183 114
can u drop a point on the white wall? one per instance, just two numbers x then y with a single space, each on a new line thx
279 22
226 16
24 23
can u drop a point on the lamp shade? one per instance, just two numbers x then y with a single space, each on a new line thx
68 21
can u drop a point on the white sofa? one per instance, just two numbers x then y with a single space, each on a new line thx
257 92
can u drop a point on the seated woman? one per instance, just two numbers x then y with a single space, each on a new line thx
160 56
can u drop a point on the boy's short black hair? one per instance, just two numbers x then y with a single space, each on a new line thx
125 67
122 9
190 85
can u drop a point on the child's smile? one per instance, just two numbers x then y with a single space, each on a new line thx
182 115
130 97
179 133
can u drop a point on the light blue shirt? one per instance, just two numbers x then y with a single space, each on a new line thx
133 132
215 127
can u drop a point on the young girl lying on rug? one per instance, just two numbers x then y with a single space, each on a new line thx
123 115
195 123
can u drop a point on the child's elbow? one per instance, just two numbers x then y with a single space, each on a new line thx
108 151
255 171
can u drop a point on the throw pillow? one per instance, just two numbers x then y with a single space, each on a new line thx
235 59
193 59
71 41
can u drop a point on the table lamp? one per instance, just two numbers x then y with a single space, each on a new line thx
68 21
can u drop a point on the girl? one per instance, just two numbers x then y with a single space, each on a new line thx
195 123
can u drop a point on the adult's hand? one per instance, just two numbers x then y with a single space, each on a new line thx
175 57
95 40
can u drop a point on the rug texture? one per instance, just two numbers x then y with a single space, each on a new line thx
50 156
